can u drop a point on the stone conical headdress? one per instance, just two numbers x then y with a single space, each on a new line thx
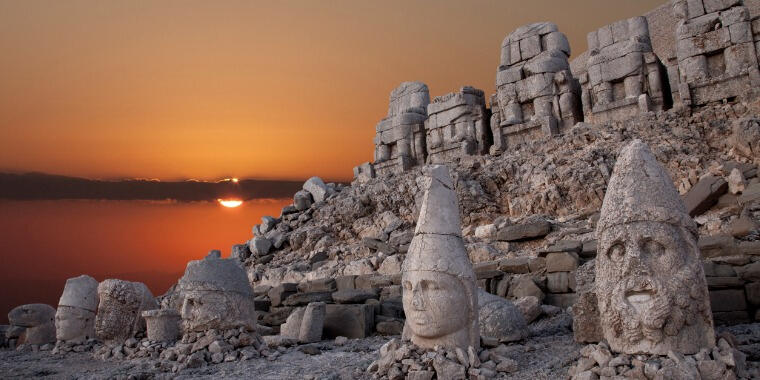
641 190
437 245
213 274
81 292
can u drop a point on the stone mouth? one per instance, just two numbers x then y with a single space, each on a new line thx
639 299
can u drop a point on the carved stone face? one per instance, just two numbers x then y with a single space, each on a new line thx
650 284
203 310
73 324
436 304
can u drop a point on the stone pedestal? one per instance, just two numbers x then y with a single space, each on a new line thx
163 325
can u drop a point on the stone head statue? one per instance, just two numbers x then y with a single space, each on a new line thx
75 316
38 319
121 303
649 279
440 298
216 295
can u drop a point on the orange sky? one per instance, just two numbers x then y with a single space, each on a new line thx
267 89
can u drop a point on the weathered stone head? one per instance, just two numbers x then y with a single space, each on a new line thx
649 280
38 319
75 316
216 295
121 303
440 298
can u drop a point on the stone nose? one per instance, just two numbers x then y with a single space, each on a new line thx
633 263
418 301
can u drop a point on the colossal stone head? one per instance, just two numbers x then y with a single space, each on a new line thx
75 316
121 303
216 295
37 318
649 279
440 299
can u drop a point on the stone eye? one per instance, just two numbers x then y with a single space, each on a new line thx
616 252
653 248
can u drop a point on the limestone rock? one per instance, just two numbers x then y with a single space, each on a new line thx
162 325
500 319
302 200
524 231
704 194
530 307
317 188
312 323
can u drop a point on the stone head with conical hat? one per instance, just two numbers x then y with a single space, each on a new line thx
649 279
216 295
440 299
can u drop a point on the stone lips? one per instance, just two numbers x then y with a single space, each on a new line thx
222 275
81 292
641 190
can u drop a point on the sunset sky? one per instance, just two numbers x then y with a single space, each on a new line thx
265 89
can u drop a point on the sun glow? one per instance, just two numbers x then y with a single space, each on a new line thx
231 203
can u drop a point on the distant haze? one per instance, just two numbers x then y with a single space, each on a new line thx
254 89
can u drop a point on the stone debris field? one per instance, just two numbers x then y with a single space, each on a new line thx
595 218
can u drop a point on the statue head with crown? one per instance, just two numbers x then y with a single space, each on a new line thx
439 296
649 279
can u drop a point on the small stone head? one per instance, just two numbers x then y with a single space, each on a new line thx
216 294
438 282
649 279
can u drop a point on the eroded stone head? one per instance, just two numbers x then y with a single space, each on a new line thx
121 303
38 319
649 280
440 301
75 316
216 295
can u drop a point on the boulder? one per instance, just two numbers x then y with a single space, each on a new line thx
260 246
704 194
353 296
500 319
350 321
530 307
524 231
38 320
561 262
299 299
317 188
302 200
281 292
312 323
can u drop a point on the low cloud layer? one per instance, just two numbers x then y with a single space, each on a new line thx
40 186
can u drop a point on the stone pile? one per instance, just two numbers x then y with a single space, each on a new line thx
195 349
719 363
405 360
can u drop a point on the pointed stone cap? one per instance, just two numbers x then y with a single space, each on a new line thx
439 213
640 190
80 292
437 245
213 274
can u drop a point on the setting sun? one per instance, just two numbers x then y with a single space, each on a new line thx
231 203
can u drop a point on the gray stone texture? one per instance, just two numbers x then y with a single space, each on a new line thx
75 316
162 325
500 319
